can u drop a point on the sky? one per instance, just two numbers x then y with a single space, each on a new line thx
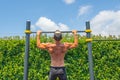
50 15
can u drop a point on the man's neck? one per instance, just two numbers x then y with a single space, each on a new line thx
57 42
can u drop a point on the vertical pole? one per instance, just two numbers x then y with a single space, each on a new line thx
88 35
26 58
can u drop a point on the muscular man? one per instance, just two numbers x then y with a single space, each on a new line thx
57 53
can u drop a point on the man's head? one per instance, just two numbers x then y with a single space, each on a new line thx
57 35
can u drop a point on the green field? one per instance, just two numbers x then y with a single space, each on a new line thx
106 58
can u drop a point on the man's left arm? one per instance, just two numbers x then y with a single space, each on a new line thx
75 43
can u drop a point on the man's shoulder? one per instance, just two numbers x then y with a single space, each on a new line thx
67 43
50 44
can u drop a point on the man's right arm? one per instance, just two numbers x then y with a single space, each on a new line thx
39 44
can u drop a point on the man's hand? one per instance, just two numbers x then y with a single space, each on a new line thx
39 32
74 31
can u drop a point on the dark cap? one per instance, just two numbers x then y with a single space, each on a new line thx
57 35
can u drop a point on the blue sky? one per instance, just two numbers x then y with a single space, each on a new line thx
47 15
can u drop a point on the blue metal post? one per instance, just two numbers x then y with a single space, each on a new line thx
26 58
88 35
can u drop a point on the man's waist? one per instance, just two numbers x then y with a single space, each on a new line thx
57 66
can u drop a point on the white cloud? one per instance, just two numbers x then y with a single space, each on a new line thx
63 27
46 24
69 1
84 9
106 23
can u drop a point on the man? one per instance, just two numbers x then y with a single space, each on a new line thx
57 53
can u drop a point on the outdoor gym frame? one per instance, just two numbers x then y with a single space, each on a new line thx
88 40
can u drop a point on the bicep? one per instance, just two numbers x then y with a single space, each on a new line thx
70 45
43 46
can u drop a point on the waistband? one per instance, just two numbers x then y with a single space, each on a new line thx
57 67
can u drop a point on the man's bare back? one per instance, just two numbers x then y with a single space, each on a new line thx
57 53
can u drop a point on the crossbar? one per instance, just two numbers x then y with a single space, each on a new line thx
61 31
107 40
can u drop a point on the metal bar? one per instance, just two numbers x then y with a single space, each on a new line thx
88 35
61 31
26 58
107 40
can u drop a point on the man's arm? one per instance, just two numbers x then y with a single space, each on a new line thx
39 44
75 44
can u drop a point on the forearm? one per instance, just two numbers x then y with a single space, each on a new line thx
75 39
38 40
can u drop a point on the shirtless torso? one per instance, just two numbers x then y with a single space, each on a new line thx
57 53
57 50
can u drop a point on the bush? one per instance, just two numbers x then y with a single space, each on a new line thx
106 58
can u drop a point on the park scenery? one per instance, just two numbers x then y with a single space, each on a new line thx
89 48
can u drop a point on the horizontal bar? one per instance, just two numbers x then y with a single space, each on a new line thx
108 40
61 31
